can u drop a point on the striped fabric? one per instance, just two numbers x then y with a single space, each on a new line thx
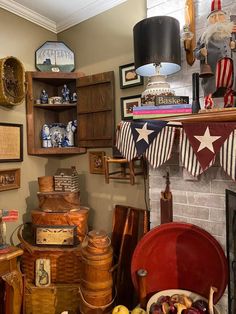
124 141
228 155
154 155
215 5
164 140
188 157
224 73
208 101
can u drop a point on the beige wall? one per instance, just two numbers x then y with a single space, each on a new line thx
100 44
20 38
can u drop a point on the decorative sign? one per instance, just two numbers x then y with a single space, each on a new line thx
55 235
54 56
43 272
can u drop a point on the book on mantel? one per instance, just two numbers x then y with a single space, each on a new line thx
151 112
171 100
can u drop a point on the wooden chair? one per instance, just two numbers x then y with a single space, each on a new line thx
126 170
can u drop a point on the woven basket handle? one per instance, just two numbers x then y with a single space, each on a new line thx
28 246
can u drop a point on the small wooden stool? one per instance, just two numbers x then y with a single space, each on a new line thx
126 171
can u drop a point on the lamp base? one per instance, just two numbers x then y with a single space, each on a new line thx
156 86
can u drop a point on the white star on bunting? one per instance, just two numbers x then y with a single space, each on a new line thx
143 133
206 140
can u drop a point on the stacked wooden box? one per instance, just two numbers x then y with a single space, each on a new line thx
59 226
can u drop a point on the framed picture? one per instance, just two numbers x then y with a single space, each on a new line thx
9 179
11 142
127 105
42 272
128 76
54 56
96 162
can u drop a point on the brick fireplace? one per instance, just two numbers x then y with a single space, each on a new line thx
200 201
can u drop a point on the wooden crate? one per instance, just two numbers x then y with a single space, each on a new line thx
51 300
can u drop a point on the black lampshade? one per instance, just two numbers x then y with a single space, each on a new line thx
157 41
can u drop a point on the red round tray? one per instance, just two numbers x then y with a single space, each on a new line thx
180 256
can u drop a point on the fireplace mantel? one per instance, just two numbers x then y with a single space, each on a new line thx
210 115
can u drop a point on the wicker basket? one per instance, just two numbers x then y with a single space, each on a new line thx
51 300
11 81
65 262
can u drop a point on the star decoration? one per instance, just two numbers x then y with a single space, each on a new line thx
143 133
206 140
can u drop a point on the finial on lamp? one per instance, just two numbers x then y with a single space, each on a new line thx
188 34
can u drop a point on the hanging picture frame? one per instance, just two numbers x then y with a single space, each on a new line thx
96 162
128 76
11 142
9 179
127 105
54 56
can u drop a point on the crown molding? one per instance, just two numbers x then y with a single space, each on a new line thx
78 16
28 14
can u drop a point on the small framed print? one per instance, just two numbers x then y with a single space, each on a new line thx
128 76
127 105
96 162
42 272
9 179
11 142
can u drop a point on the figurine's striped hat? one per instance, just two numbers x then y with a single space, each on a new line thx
215 6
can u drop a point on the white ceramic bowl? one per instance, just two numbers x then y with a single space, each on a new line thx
170 292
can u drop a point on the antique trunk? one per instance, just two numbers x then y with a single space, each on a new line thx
76 218
51 300
59 201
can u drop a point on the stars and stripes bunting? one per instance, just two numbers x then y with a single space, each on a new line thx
158 152
188 158
125 142
228 156
160 149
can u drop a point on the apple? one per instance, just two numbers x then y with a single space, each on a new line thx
138 310
120 309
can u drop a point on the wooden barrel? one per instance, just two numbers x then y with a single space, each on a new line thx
46 184
96 279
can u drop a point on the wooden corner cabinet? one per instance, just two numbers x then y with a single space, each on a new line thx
93 110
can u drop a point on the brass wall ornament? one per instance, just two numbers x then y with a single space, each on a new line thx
188 34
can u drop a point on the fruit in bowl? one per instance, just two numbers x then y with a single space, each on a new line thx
179 302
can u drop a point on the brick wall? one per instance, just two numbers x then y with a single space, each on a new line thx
199 201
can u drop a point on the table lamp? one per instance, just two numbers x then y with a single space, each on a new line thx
157 54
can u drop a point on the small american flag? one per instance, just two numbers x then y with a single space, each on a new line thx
9 215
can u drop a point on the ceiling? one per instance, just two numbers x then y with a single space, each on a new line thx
58 15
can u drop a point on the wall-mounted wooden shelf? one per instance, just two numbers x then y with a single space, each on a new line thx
94 110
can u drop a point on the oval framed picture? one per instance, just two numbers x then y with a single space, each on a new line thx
54 56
